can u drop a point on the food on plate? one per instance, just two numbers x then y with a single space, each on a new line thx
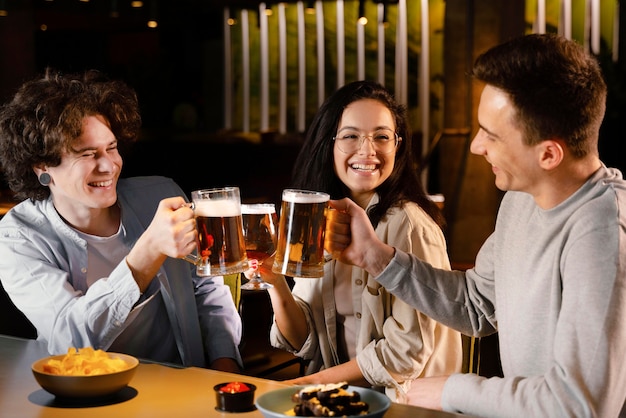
328 400
85 362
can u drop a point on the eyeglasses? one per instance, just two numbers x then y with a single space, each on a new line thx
384 141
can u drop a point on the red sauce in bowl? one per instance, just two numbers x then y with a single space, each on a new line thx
235 387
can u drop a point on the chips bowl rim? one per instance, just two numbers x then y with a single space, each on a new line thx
37 365
112 382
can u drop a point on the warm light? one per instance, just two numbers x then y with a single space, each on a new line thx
268 12
152 24
231 21
136 4
3 13
43 27
310 8
362 19
84 1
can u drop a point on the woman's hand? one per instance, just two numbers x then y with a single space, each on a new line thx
265 269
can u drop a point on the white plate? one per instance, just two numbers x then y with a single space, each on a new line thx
276 403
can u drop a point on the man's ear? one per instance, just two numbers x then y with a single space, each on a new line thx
39 168
551 153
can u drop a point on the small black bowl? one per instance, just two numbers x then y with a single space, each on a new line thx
230 401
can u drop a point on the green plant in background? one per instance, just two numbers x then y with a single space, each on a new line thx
436 17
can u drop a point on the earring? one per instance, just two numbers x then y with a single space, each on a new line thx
44 179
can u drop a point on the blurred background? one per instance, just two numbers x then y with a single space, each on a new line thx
227 88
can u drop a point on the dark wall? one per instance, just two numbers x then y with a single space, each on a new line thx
261 171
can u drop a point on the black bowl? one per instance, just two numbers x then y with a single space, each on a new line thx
234 401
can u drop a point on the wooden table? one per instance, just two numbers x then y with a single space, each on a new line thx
155 391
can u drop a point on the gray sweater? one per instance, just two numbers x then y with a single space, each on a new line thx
553 284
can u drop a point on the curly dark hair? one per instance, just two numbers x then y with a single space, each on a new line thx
557 88
314 166
45 117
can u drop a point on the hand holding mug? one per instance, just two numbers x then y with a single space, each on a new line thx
172 231
221 248
350 238
263 268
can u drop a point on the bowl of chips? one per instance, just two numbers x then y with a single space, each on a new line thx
335 399
84 373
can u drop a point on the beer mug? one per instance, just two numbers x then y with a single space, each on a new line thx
221 245
301 230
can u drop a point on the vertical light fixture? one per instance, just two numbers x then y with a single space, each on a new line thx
245 58
264 58
615 54
587 25
540 24
228 78
381 41
565 28
282 69
301 122
401 54
595 26
321 75
341 45
425 84
265 77
360 41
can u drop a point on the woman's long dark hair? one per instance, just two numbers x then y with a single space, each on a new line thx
314 166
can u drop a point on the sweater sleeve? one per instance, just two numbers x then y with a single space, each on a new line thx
409 345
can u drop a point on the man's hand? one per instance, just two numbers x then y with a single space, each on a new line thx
426 392
172 233
351 239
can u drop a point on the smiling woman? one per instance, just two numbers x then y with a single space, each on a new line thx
351 151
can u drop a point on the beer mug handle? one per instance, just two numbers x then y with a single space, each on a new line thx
203 268
193 259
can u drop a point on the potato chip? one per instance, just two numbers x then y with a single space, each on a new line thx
85 362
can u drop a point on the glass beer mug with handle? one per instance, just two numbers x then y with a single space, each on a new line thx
259 229
301 231
221 246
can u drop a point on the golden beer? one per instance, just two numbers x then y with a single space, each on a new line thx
301 230
260 225
259 228
221 245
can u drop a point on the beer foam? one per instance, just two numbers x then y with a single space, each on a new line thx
213 208
298 196
259 209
